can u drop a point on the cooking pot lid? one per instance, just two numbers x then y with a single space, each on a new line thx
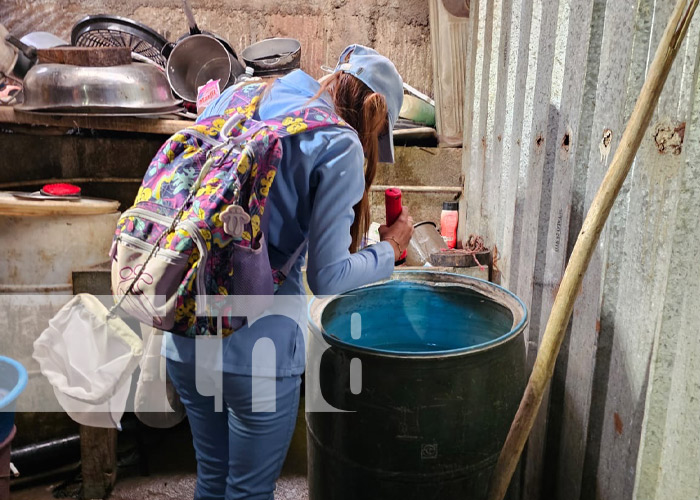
24 206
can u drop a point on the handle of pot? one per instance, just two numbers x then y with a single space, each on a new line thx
192 23
286 57
28 51
26 56
268 62
167 49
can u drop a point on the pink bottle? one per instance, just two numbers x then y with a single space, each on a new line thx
449 219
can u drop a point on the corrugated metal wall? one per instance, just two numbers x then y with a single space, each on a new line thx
550 86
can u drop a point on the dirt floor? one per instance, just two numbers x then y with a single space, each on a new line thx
170 465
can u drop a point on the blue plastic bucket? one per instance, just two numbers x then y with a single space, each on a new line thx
13 380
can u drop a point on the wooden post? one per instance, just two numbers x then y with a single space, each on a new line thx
98 447
98 453
586 243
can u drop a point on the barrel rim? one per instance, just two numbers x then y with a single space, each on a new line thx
516 329
22 378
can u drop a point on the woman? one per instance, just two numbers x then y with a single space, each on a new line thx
320 193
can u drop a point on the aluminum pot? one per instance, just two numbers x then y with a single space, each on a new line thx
425 240
273 56
195 60
135 88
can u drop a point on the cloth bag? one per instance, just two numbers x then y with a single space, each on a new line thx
156 402
89 356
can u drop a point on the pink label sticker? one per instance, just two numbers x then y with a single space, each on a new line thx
206 94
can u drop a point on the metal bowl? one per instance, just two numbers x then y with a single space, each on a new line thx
273 56
135 88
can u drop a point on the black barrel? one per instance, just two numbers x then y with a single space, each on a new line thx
429 374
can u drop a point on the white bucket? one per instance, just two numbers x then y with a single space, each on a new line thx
40 254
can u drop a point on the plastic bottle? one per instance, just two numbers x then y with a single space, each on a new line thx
392 203
449 218
247 76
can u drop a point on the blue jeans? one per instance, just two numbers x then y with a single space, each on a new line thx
240 450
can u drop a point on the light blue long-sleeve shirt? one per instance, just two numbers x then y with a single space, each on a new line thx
319 180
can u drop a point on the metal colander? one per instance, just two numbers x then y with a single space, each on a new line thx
114 31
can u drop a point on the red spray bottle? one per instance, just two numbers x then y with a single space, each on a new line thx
392 203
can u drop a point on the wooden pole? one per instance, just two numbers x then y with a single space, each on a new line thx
98 461
585 246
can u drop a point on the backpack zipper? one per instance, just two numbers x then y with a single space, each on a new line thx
185 224
164 253
191 228
149 216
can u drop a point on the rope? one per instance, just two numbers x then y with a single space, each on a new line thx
494 258
474 245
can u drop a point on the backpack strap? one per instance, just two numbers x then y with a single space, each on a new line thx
287 267
245 101
297 122
240 110
304 120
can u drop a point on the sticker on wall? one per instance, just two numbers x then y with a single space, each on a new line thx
605 146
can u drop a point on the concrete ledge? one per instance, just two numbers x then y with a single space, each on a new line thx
418 166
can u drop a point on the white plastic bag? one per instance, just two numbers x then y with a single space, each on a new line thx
89 357
156 402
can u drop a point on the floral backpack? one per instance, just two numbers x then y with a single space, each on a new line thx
192 249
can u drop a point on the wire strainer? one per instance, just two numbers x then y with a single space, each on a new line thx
114 31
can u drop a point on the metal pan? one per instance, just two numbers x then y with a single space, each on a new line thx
113 31
127 89
197 57
273 56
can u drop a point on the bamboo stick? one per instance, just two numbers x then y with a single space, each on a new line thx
585 246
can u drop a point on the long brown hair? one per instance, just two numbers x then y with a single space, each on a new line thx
366 112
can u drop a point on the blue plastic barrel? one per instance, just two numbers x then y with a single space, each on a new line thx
13 380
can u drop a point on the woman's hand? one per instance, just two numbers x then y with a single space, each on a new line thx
399 233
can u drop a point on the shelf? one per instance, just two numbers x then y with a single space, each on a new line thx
143 125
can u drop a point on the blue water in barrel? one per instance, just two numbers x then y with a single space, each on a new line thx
416 319
13 380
